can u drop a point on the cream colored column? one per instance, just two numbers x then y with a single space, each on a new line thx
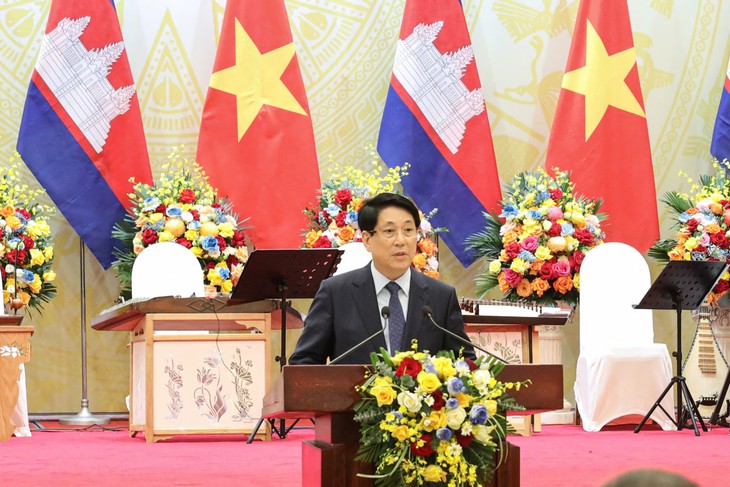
551 352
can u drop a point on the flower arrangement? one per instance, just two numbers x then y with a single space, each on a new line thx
431 419
702 222
181 206
26 245
333 222
536 245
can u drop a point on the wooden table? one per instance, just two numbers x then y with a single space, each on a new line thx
14 350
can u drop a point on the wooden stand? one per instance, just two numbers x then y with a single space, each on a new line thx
14 350
195 373
328 394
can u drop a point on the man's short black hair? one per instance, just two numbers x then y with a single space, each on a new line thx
368 216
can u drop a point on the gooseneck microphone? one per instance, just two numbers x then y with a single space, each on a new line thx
429 314
385 313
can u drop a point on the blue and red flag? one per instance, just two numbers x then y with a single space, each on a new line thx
436 120
720 146
81 133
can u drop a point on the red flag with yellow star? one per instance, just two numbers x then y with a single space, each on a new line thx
256 140
599 131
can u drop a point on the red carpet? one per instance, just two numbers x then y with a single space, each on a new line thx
558 456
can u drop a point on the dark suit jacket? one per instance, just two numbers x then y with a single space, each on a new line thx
345 312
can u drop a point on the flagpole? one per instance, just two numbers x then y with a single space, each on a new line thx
84 417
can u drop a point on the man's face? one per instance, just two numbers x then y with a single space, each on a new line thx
393 242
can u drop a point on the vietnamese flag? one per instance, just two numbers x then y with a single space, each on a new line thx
599 132
256 140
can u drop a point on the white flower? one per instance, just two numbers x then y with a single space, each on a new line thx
410 401
455 417
480 379
426 226
454 449
481 434
186 216
429 400
466 429
433 263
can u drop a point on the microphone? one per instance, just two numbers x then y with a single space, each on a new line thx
385 313
429 314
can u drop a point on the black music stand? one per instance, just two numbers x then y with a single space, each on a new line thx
283 274
682 284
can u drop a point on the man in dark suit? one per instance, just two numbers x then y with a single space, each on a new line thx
347 308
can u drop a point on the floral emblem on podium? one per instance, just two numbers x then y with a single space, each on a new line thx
433 419
702 220
26 244
332 222
181 206
534 248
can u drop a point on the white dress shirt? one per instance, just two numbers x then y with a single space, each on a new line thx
383 295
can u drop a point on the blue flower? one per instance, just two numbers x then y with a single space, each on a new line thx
443 434
194 225
151 203
454 386
430 368
534 214
209 244
224 272
452 403
174 212
351 218
26 276
566 229
478 414
509 212
333 210
527 256
685 217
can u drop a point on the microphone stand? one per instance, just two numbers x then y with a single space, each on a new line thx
428 313
385 313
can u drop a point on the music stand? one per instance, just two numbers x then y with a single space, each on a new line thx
283 274
682 284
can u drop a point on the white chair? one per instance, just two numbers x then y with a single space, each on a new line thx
620 370
19 416
166 269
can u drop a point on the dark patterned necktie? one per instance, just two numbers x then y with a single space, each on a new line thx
397 320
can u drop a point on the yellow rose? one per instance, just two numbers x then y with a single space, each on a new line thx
428 382
214 278
197 251
48 253
463 399
36 257
576 281
13 222
35 286
455 418
519 265
7 211
383 393
49 276
434 421
227 286
166 236
481 434
400 433
491 407
38 228
226 229
311 237
543 253
433 473
495 267
691 243
578 218
556 244
155 217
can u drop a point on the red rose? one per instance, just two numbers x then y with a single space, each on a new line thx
238 239
323 215
470 363
3 273
161 209
343 197
26 214
555 193
210 265
16 257
584 236
692 225
721 286
409 366
576 260
185 242
464 441
28 242
340 218
221 243
438 399
232 260
426 450
215 205
323 243
700 249
187 195
546 271
196 215
513 250
555 230
149 236
718 239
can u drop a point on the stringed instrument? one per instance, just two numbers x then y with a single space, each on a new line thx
705 367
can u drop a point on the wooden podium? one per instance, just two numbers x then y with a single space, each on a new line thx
14 350
328 393
197 366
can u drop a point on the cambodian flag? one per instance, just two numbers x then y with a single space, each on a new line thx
720 146
436 120
81 133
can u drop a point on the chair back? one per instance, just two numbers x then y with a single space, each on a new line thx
166 269
613 277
